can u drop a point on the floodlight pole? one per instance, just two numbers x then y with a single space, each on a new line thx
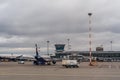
111 44
68 44
48 47
90 40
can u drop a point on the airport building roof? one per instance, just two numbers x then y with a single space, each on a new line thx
86 52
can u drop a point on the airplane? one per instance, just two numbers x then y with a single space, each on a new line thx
15 57
40 60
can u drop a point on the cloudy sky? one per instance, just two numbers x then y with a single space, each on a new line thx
26 22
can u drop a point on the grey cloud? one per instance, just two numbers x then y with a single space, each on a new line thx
56 20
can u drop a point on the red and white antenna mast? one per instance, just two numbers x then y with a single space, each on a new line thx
90 40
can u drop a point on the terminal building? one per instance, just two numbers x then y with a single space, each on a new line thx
100 54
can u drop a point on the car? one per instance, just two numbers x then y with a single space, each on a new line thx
21 62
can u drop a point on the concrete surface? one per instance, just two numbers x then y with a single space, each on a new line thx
28 71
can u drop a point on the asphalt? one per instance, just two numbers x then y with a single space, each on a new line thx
28 71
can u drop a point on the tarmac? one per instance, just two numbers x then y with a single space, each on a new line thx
28 71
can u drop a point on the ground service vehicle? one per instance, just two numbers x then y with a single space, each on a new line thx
21 62
70 63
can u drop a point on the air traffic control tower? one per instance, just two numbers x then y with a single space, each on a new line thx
59 47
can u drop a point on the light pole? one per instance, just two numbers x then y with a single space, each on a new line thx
68 44
90 40
48 47
111 44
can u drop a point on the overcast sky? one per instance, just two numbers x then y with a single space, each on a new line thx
26 22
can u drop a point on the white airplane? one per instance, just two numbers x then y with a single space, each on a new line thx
14 57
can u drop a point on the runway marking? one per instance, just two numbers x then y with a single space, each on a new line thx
57 75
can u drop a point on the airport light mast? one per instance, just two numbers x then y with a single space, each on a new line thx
111 44
90 40
48 48
68 44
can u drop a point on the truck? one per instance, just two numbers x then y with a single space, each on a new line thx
70 63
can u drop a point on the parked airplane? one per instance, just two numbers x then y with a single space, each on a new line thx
42 60
14 57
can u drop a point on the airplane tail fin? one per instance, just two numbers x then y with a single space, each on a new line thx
36 50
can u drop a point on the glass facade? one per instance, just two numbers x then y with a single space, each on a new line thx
59 47
106 55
